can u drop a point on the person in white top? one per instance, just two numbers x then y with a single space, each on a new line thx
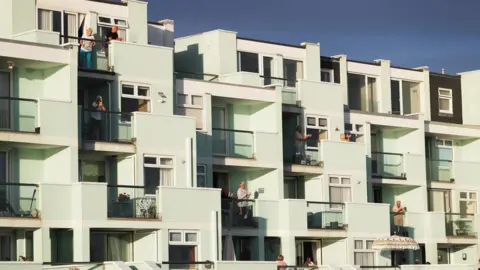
87 42
242 196
96 117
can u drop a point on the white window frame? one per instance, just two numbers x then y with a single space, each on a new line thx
448 97
400 88
283 74
204 174
112 23
468 192
331 72
369 98
339 185
316 126
189 98
260 62
135 94
157 164
183 241
364 248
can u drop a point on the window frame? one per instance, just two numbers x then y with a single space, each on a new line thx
189 105
467 200
203 174
449 98
331 72
339 185
135 94
157 164
183 241
285 81
317 127
260 62
364 248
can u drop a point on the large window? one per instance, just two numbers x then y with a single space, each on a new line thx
135 98
201 175
363 253
292 71
191 105
468 202
362 93
105 24
340 189
293 187
255 63
445 100
158 171
111 246
65 23
248 62
183 247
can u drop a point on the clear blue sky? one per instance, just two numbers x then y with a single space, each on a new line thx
411 33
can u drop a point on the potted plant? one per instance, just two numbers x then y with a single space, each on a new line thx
461 227
123 197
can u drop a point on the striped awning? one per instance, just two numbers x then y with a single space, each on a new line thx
395 242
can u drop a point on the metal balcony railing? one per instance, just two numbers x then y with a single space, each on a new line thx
126 201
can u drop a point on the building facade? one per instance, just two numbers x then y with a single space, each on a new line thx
145 151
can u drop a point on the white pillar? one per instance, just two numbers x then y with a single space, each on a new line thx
288 250
81 243
41 245
431 253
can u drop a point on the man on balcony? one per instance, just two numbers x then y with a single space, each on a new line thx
96 117
300 144
398 213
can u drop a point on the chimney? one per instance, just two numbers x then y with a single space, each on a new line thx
443 70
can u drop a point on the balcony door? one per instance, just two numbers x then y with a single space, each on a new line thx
5 103
219 132
439 200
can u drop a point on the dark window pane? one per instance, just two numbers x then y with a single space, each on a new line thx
248 62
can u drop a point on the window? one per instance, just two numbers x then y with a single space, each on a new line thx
327 75
293 188
106 23
65 23
248 62
110 246
201 175
135 98
468 202
292 71
183 247
445 100
191 105
340 190
29 245
158 171
49 20
363 253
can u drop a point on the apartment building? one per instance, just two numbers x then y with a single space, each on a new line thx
381 133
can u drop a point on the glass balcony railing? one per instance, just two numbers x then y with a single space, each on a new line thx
325 215
18 200
460 225
238 213
126 201
439 170
397 221
18 114
388 165
96 58
196 76
232 143
106 126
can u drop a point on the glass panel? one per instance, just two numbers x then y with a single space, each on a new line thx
93 171
182 254
128 89
369 244
346 181
150 160
311 121
322 122
190 237
358 244
444 104
29 245
176 237
143 91
197 100
248 62
334 180
463 195
325 215
473 195
201 169
201 180
104 20
445 92
166 161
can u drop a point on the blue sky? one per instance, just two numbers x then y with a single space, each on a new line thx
411 33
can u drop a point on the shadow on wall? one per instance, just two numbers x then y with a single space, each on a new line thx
190 60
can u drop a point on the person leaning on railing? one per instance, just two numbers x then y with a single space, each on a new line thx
86 44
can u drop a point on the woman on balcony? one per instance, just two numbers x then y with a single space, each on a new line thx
242 196
87 43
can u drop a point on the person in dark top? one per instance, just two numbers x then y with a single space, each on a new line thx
113 34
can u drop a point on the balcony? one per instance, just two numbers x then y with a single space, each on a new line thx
326 215
460 225
440 170
19 115
232 143
388 165
18 200
289 91
397 221
131 202
96 60
238 213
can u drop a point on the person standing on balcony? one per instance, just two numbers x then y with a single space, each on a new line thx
87 43
281 262
242 196
300 142
96 117
398 213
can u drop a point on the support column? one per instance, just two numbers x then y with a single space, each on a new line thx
288 249
81 243
431 253
261 248
41 245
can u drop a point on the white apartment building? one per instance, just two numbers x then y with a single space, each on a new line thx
138 184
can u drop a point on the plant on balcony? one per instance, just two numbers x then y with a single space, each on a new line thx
461 227
123 197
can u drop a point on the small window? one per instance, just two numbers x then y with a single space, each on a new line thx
369 244
248 62
311 121
445 100
176 237
197 100
150 160
334 180
348 127
128 89
358 244
135 98
322 122
201 175
190 237
327 75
